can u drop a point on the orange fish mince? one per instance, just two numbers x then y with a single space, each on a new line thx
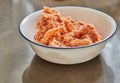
60 31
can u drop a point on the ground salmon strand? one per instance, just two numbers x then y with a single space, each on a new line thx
58 31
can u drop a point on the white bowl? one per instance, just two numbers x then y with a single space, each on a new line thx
105 25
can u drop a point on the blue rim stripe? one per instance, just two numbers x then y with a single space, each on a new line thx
67 47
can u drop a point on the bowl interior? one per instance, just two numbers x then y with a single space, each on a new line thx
104 24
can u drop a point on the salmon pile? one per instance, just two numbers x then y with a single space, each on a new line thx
62 31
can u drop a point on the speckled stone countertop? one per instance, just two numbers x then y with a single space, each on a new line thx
19 64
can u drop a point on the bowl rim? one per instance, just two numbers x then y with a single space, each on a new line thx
46 46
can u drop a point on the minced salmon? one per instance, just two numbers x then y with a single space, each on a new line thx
63 31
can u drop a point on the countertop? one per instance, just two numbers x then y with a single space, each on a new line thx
19 64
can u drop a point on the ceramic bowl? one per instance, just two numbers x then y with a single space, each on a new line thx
105 25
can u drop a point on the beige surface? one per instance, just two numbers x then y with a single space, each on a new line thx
16 56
